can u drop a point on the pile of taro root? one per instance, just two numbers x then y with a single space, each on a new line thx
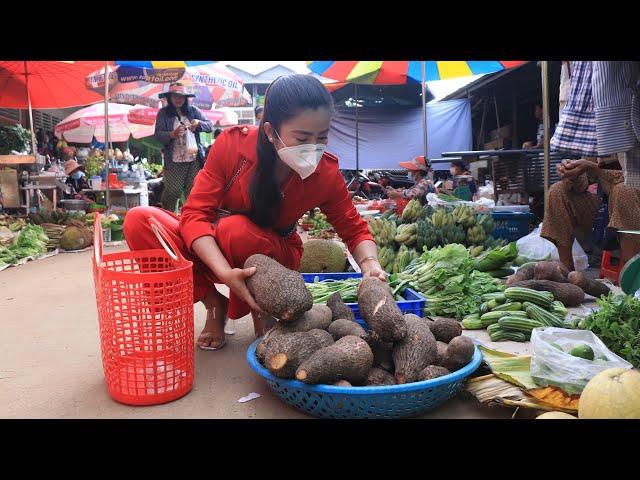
323 344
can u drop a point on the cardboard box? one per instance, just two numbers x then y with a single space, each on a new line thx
504 132
497 144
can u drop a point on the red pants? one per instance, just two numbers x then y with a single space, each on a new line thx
237 237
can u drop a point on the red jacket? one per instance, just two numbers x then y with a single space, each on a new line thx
325 188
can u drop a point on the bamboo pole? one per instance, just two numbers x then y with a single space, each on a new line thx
33 135
357 132
106 130
546 121
424 110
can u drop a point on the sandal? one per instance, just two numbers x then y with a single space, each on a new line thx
210 336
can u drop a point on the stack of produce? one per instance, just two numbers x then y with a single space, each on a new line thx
554 277
54 232
76 236
387 257
425 227
32 242
322 344
445 276
383 230
514 313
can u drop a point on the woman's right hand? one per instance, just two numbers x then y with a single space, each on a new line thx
235 279
178 132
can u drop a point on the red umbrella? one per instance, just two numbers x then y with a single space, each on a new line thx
45 84
52 84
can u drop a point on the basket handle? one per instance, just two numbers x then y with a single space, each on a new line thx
165 240
97 238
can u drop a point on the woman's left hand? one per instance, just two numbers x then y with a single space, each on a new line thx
194 125
372 268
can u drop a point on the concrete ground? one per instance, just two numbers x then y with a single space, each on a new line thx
50 365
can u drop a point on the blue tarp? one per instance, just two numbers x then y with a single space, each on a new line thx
391 135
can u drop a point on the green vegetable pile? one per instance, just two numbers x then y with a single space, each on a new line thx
446 277
31 242
153 168
422 228
617 324
14 137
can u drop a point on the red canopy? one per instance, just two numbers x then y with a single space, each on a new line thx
52 84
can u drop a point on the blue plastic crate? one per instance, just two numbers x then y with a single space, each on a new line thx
413 302
511 225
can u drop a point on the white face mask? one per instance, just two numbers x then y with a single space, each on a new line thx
303 159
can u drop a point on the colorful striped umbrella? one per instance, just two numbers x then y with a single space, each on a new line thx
400 72
141 82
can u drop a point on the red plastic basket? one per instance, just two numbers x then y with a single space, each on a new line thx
145 312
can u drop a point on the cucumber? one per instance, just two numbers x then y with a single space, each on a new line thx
497 296
494 327
492 315
502 335
508 307
524 325
542 315
520 294
472 323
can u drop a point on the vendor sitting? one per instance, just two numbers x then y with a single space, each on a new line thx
572 207
421 176
463 185
76 179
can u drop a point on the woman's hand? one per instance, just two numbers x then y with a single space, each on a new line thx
391 193
372 268
194 124
178 132
573 168
235 279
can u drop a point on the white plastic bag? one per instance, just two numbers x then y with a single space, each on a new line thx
534 247
191 145
552 366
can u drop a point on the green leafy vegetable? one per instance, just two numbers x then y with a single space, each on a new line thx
445 277
496 258
617 324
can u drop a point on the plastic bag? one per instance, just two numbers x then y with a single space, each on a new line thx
551 366
191 145
534 247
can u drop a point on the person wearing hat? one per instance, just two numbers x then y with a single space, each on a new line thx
76 178
464 186
419 173
259 112
172 125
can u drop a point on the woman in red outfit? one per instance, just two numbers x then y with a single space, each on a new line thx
257 182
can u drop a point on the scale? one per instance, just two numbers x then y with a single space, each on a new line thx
630 273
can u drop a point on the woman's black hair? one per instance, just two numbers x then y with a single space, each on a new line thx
285 98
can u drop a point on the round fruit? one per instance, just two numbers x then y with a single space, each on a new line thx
555 416
614 393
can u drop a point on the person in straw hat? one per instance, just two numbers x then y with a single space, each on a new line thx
172 126
76 178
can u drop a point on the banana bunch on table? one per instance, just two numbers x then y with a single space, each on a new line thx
412 212
465 216
383 231
387 257
406 234
441 218
476 235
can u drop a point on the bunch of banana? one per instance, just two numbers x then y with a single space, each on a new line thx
426 235
383 231
427 211
412 211
387 257
486 221
441 218
475 251
406 234
403 259
453 234
465 216
476 235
